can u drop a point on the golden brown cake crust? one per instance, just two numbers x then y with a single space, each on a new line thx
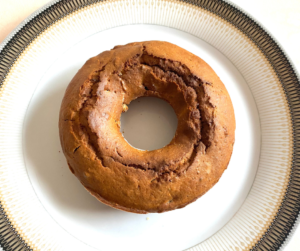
147 181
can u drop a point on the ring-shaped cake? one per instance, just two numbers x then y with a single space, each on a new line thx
136 180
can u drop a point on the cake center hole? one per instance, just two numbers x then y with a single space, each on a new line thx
150 123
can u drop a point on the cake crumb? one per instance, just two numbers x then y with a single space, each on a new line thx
147 218
124 108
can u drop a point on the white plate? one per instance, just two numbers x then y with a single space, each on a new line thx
46 204
89 221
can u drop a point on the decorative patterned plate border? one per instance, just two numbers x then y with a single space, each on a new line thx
273 235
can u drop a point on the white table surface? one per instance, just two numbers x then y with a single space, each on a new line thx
280 17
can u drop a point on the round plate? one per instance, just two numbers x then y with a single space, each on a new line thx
255 203
81 215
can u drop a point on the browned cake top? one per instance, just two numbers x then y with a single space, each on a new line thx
147 181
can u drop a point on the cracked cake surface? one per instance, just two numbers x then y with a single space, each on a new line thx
135 180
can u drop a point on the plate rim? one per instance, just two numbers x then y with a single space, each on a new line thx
233 7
